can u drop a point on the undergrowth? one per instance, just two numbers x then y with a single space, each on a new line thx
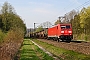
63 53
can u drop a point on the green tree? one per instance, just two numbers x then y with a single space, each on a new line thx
1 24
82 17
7 13
10 19
76 24
85 19
81 24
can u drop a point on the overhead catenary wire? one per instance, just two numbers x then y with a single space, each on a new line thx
77 8
82 5
65 9
69 5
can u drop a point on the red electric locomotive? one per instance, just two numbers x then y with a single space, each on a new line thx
61 32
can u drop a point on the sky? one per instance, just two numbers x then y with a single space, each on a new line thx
39 11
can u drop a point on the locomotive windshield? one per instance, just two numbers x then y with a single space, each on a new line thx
65 27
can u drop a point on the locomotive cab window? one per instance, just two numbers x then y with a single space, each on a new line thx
63 27
67 26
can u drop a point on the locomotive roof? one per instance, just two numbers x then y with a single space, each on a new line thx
62 24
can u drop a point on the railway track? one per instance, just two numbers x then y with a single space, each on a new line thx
78 46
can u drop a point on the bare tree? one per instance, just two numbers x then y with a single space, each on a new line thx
69 16
46 24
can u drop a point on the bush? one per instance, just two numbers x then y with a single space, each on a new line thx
85 37
2 35
14 35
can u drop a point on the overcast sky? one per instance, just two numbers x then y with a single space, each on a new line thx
39 11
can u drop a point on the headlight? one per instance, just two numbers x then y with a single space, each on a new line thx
69 31
62 31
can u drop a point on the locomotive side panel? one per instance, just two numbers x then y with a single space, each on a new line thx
53 32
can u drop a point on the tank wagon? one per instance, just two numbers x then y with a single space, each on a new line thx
59 32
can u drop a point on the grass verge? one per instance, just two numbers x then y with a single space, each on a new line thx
29 51
63 53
